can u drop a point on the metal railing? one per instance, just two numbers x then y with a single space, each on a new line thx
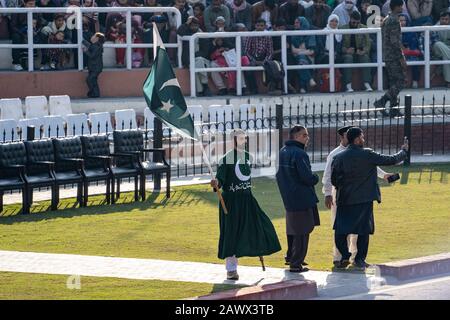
78 13
332 65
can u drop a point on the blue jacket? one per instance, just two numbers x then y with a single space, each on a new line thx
295 179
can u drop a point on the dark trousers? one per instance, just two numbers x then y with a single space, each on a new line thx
362 244
92 83
17 54
297 249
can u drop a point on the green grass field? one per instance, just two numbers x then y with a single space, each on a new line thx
413 220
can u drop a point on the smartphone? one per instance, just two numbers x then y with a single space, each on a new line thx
393 178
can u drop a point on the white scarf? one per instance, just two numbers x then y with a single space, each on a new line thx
338 37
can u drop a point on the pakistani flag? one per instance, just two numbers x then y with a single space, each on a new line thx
163 94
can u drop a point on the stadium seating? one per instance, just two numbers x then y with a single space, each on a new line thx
100 122
77 124
36 107
60 106
8 130
11 109
125 119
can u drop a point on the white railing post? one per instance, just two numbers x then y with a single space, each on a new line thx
284 61
79 26
192 64
30 41
427 58
331 62
129 40
179 41
239 66
379 61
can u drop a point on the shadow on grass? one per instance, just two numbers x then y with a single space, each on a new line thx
69 208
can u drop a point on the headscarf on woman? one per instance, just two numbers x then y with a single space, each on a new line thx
308 40
337 37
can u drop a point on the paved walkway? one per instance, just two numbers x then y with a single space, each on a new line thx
331 285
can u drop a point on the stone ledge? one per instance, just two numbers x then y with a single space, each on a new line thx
285 290
417 267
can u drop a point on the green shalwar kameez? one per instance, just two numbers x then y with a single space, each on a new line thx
246 230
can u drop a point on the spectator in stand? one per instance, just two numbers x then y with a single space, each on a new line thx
164 31
58 57
240 12
267 10
441 48
333 3
318 14
438 7
94 51
217 47
49 36
420 11
385 10
186 12
289 11
344 10
18 30
411 50
199 11
332 24
303 49
47 16
117 33
147 16
5 18
94 25
213 11
258 50
363 8
356 49
191 27
137 54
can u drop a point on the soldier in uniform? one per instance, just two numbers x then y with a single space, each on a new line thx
394 59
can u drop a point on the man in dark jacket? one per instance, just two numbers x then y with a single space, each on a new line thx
296 182
94 53
354 175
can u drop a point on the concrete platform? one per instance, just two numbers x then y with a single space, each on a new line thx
286 290
418 267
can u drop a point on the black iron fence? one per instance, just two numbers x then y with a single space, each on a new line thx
426 125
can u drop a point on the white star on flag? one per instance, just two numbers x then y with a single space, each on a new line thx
166 105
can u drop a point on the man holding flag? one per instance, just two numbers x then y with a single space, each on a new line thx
245 230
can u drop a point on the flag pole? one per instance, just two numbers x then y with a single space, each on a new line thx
208 163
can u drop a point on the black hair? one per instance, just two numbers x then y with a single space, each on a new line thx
353 133
444 13
396 3
355 15
295 130
280 22
260 20
200 5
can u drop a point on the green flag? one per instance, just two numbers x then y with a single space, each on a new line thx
163 94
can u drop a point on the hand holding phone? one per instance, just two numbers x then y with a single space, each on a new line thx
393 178
405 145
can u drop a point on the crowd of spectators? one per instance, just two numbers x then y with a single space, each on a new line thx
235 15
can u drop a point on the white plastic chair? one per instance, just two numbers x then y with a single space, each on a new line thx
125 119
11 109
53 127
24 123
8 130
60 106
100 122
36 107
77 124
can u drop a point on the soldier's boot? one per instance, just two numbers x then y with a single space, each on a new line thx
381 104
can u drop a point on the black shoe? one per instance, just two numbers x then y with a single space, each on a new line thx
298 270
360 265
380 104
342 264
232 92
395 113
385 113
304 263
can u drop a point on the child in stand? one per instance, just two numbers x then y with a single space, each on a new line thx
59 58
94 52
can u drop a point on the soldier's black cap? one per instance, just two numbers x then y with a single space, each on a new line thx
343 130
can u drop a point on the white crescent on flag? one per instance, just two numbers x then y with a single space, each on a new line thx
172 82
